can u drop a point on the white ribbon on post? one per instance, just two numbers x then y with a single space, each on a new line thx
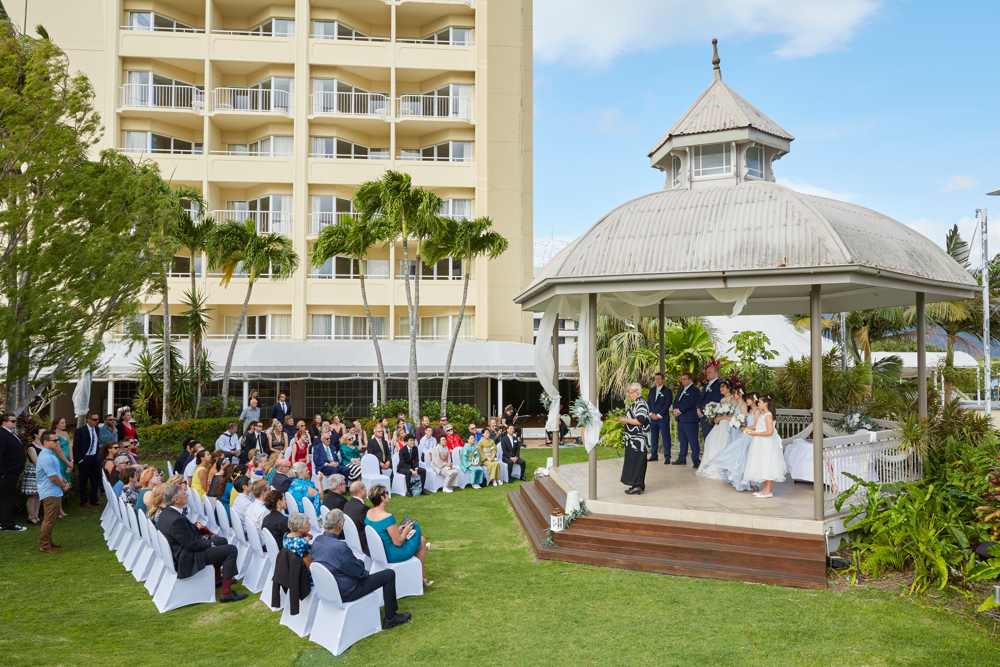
739 295
81 395
592 433
545 365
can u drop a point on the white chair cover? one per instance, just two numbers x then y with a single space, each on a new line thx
340 624
173 592
409 579
371 474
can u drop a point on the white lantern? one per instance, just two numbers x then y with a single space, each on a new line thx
572 501
558 521
548 462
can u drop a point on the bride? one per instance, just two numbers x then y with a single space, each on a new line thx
722 436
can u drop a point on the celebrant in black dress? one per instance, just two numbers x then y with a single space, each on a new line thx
635 440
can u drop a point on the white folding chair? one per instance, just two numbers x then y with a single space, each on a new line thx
157 568
354 541
173 592
208 506
291 505
302 622
125 544
170 469
144 563
242 544
266 593
463 479
398 480
222 520
310 512
433 481
323 511
133 553
257 570
116 529
340 624
409 573
108 515
371 473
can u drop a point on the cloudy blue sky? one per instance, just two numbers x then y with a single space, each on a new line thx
893 103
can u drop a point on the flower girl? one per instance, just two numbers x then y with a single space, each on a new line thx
765 460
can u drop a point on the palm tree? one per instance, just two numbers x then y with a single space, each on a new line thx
196 323
236 247
403 212
193 235
465 240
354 238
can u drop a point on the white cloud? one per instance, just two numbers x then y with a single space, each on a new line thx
807 189
592 33
960 183
609 122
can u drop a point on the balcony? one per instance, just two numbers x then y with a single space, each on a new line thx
233 167
325 219
254 100
134 42
434 106
185 98
266 222
350 104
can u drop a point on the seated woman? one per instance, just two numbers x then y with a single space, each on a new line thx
401 542
125 489
269 466
300 448
350 456
149 479
302 488
469 462
107 457
221 485
441 464
200 479
154 503
275 522
297 538
489 458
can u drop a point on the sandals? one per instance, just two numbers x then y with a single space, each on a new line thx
428 582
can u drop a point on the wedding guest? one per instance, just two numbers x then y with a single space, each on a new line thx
427 444
409 467
185 456
489 457
686 415
250 415
200 479
255 438
454 440
492 431
303 489
356 510
127 490
296 539
107 456
154 503
316 427
229 442
126 427
382 450
189 469
660 398
29 487
108 431
335 498
256 512
278 439
275 522
222 485
338 427
474 431
401 543
441 464
65 456
289 428
765 459
510 448
326 458
281 481
148 480
243 498
300 449
634 440
127 448
281 410
709 394
51 485
85 448
439 431
350 456
468 461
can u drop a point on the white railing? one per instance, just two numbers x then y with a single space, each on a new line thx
873 457
325 219
344 156
163 97
355 104
267 222
253 33
435 106
452 42
244 336
346 337
252 99
160 151
152 28
251 154
351 38
420 158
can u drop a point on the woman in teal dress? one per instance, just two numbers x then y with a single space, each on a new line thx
401 542
468 461
65 460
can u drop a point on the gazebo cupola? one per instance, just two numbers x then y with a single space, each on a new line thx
720 140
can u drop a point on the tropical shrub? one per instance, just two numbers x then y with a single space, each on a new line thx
216 408
163 441
458 413
389 409
613 430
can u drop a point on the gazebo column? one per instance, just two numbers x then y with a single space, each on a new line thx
921 358
555 379
816 336
660 320
111 397
592 389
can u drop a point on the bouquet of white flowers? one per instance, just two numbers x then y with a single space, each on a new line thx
739 420
855 420
714 409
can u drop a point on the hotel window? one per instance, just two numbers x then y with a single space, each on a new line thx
675 171
149 324
151 142
346 327
147 89
447 269
713 160
448 151
154 21
459 209
273 146
332 147
326 210
451 36
439 327
259 327
181 267
335 96
338 30
755 161
275 28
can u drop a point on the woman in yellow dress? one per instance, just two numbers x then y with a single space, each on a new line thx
488 458
200 479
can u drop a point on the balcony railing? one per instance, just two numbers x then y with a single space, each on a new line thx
252 99
252 153
163 97
452 42
354 104
267 222
421 158
346 337
435 106
155 28
352 38
245 336
325 219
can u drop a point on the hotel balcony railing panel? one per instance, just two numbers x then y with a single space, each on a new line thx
163 97
353 104
267 222
252 99
431 42
255 33
435 106
155 28
251 154
346 337
351 38
325 219
244 336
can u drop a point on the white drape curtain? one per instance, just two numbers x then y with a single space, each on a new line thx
585 356
739 295
81 395
545 364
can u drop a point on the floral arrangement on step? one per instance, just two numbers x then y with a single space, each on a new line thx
715 409
567 521
855 420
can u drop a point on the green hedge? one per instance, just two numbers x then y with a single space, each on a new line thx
163 441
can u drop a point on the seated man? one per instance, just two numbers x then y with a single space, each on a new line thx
188 471
191 550
356 510
281 481
256 512
334 498
243 499
510 447
185 456
326 459
352 580
409 466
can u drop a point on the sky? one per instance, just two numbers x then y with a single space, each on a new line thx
892 103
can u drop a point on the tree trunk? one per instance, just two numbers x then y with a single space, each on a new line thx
949 365
194 293
232 347
415 403
454 339
165 415
371 330
413 390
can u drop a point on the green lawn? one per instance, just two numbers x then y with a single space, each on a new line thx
492 603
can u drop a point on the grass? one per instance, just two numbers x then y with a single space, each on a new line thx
492 603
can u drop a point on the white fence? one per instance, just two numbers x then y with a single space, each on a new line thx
252 99
435 106
354 104
277 222
163 97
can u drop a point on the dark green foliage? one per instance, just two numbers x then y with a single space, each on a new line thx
458 413
163 441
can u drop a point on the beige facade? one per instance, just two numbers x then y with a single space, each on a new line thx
278 111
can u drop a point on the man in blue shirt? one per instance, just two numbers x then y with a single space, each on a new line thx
352 580
50 486
107 432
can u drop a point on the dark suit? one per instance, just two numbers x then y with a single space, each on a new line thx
191 550
281 482
356 510
328 465
710 393
383 452
334 501
88 465
409 460
352 580
279 413
659 404
256 441
12 460
510 448
687 423
182 462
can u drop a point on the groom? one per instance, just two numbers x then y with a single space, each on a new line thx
710 393
686 416
660 398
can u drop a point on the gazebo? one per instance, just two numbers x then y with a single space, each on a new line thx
722 238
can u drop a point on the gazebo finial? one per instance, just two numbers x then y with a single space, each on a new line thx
717 71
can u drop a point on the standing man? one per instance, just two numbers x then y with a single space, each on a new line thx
85 446
686 416
108 431
281 409
660 399
250 414
510 449
440 429
407 425
50 486
229 442
12 459
382 450
710 393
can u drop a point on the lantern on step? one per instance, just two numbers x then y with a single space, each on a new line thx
557 520
572 501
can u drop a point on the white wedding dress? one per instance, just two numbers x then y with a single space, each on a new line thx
715 442
765 458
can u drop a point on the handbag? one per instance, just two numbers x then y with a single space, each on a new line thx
416 489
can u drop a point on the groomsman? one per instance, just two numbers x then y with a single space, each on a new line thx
686 416
710 393
660 398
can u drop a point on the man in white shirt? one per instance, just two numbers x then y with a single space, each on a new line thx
256 512
229 442
427 443
244 498
192 464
